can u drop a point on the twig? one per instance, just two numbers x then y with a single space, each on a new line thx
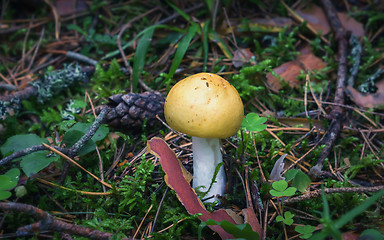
8 87
81 57
356 53
92 130
317 193
71 151
337 112
27 92
47 222
27 151
36 48
158 209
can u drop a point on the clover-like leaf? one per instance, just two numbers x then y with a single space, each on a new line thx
253 123
6 183
280 188
300 180
289 191
287 219
280 185
305 231
279 218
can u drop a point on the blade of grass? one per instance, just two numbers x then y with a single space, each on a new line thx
205 44
139 58
215 37
179 11
182 49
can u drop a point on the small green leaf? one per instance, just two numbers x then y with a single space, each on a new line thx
305 231
371 234
289 191
13 174
280 185
78 130
253 123
279 219
276 193
6 183
20 142
290 174
100 134
4 195
34 162
287 219
301 181
280 189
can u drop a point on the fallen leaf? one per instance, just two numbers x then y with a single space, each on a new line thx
289 71
241 57
373 100
251 219
350 236
315 15
67 7
269 25
177 181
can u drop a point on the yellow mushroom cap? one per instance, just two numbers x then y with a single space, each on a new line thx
204 105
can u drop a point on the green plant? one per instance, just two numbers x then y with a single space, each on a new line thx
248 82
8 181
239 231
305 231
332 227
287 219
33 162
280 189
109 82
132 188
253 123
73 134
300 180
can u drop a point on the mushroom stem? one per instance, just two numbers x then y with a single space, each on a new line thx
206 156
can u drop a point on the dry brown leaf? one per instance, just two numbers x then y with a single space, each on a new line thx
67 7
290 70
317 18
241 56
373 100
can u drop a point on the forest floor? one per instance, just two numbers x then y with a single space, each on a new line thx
86 151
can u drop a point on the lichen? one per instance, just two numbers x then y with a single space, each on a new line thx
54 81
7 106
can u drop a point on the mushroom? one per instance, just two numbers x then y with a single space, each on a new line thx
208 108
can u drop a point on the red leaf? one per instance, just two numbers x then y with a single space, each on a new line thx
316 17
290 70
177 180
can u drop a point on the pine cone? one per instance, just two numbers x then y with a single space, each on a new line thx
129 111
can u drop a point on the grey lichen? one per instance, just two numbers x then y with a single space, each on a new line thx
55 81
6 107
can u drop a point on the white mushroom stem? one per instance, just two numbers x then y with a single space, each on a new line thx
206 156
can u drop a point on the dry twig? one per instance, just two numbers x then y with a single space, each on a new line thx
337 112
